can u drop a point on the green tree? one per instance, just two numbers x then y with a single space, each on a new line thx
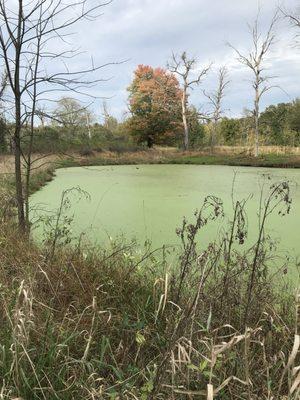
293 116
230 130
196 128
281 123
274 121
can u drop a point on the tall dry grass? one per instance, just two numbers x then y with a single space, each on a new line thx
116 323
248 150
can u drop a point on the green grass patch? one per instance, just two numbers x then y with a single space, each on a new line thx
269 160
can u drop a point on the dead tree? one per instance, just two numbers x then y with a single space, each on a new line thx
28 30
294 17
295 20
184 67
216 99
254 60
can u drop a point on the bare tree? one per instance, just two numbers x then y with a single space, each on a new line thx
71 113
27 31
254 60
109 121
185 68
294 18
216 99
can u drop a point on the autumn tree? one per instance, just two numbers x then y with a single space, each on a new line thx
186 69
154 103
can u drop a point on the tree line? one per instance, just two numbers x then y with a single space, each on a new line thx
278 124
156 119
160 111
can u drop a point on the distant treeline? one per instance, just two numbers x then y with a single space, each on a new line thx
279 125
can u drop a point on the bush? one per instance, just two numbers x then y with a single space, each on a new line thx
64 140
124 147
3 136
86 152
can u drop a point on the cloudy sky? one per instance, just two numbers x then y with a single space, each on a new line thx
148 31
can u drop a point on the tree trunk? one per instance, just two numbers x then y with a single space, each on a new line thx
184 119
256 118
30 147
18 174
17 133
150 142
213 136
2 137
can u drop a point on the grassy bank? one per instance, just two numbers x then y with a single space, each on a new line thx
118 323
176 157
268 160
45 166
153 156
41 175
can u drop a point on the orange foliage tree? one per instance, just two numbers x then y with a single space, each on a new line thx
154 102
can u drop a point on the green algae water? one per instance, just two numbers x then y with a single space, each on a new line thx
148 202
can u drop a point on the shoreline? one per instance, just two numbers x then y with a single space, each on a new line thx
162 156
193 158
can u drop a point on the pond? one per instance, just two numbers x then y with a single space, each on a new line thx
150 201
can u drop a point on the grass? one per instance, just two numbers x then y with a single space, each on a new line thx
176 157
105 325
268 160
154 156
120 324
41 177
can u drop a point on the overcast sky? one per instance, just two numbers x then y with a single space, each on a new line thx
148 31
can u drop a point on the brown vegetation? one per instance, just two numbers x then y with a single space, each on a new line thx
117 324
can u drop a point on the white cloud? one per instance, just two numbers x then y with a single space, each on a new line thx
147 31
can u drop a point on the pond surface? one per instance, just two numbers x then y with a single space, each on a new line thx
150 201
